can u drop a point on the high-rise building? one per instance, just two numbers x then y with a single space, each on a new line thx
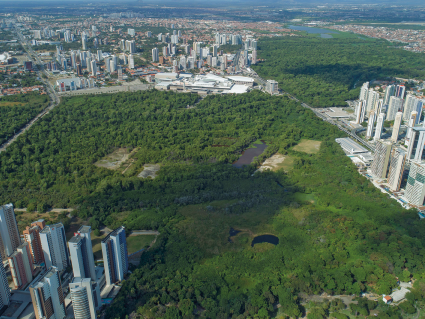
47 296
381 159
372 97
399 91
115 256
85 296
360 111
32 237
254 57
155 55
99 55
396 105
395 174
81 251
364 91
119 73
410 126
9 234
272 86
20 263
131 61
379 103
131 32
415 149
4 288
396 127
84 41
389 92
370 124
93 68
411 104
53 242
379 126
415 188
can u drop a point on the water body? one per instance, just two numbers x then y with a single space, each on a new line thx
265 239
232 232
249 154
323 32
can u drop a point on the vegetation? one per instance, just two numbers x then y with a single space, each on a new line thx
337 232
327 72
17 110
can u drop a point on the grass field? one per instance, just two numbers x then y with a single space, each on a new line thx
308 146
135 243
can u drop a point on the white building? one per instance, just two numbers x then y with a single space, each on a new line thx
53 242
410 125
379 126
47 296
395 174
9 234
370 124
115 256
415 188
4 287
396 127
364 91
272 86
389 92
81 251
396 105
85 296
415 149
372 98
381 159
360 111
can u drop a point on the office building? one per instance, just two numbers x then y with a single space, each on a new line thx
32 237
20 263
9 234
370 124
415 149
396 127
396 105
47 296
155 55
389 92
364 91
272 86
81 251
115 256
4 288
85 296
360 111
399 91
415 187
381 159
395 174
53 242
410 125
379 126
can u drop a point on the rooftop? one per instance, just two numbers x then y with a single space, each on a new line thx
350 146
85 229
48 228
113 233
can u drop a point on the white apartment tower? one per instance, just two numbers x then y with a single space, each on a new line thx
395 174
115 258
379 126
372 98
415 188
389 92
47 296
53 242
9 234
360 111
81 251
364 91
410 125
396 127
396 104
370 124
381 159
4 287
155 55
85 296
415 148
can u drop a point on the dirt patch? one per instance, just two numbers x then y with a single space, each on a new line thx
114 160
149 170
7 103
272 163
308 146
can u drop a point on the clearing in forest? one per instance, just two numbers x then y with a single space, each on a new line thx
308 146
149 170
115 159
276 162
8 103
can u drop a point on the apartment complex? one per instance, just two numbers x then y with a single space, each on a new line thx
21 268
81 251
9 234
85 296
115 256
53 242
32 237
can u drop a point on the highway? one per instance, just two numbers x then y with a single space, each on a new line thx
351 133
54 98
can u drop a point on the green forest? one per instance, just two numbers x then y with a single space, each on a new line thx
17 110
337 233
327 72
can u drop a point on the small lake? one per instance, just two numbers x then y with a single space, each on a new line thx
323 32
232 232
265 239
249 154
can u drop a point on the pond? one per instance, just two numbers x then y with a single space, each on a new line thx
232 232
249 154
265 239
323 32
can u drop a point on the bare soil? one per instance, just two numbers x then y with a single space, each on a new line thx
149 170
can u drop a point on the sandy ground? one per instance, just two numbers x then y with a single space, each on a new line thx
115 159
272 162
149 170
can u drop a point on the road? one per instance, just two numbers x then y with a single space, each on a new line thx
351 133
54 98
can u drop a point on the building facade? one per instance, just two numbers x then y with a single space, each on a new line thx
4 288
85 296
81 251
381 159
32 237
9 234
21 268
397 163
396 127
53 243
115 256
415 188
